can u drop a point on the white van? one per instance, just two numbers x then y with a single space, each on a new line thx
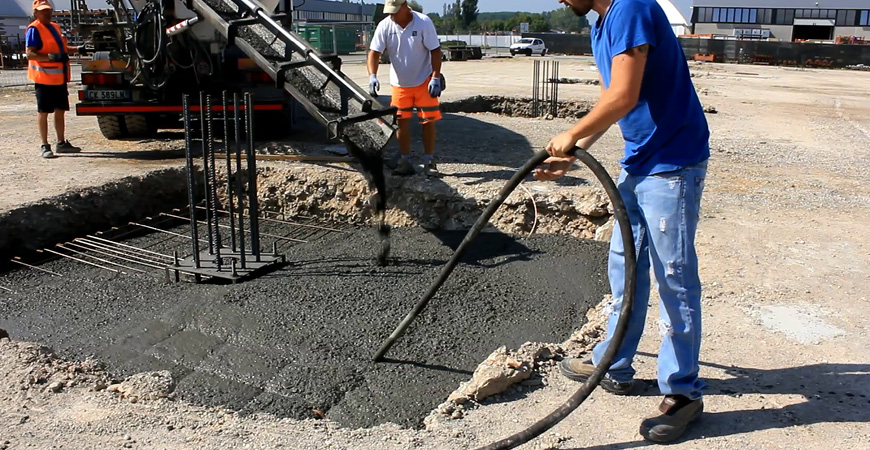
529 47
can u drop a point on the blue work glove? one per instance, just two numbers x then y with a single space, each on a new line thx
58 57
374 85
435 87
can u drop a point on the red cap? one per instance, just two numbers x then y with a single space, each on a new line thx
41 4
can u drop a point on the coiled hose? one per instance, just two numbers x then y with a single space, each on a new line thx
622 325
149 43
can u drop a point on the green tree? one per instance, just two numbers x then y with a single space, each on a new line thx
416 6
565 20
469 11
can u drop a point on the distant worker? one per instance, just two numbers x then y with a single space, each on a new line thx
411 41
48 66
647 89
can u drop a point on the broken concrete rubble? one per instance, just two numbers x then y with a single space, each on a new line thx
301 190
145 386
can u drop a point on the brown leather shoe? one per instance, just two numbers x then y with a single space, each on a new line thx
577 369
674 415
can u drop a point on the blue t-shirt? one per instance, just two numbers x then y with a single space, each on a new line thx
667 129
33 39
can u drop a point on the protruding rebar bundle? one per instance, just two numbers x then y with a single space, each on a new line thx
191 181
204 126
253 204
212 186
237 118
230 190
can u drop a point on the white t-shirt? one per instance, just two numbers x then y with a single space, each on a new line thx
410 49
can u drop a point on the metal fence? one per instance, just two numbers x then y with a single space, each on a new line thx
782 53
732 50
10 78
490 43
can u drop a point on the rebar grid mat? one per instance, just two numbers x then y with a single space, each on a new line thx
152 245
545 88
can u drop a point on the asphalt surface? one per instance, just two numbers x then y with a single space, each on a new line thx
301 338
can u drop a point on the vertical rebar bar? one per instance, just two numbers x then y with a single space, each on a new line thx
212 178
552 86
558 86
538 89
191 179
253 204
230 206
237 118
204 125
546 84
543 87
535 89
555 87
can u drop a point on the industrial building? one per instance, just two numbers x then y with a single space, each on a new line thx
333 11
15 15
784 20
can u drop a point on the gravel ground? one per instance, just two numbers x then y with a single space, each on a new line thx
783 256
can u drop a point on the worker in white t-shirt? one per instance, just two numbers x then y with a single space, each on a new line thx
410 39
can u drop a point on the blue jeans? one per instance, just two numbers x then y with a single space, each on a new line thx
666 206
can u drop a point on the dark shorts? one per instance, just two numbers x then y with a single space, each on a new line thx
51 98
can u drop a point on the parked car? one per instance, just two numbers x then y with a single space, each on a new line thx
529 47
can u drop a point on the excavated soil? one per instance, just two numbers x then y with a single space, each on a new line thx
514 107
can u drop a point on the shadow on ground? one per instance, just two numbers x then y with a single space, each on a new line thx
833 393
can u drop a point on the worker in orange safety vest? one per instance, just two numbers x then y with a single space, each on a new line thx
48 67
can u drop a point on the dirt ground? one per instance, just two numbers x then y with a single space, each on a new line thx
782 245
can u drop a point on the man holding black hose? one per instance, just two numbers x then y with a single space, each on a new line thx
647 89
48 67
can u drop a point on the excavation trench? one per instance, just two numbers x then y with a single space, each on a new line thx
298 341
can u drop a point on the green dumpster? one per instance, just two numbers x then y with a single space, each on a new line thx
324 37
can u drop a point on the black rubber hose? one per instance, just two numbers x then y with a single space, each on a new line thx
515 181
628 300
621 326
535 161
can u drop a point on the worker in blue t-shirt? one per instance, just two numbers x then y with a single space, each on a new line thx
647 89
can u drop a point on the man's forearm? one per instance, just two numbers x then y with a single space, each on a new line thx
374 62
33 55
589 141
436 62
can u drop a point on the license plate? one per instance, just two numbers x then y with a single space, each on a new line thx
107 95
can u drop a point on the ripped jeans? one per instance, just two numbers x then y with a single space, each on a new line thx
667 207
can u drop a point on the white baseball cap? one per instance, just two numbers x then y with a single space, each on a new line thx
392 6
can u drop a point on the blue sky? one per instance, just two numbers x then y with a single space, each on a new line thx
523 5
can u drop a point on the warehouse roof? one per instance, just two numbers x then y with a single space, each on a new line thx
820 4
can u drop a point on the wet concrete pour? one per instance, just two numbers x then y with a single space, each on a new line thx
301 338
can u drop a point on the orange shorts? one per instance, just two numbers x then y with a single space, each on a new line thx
406 99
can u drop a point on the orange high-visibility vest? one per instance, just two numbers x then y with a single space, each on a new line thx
50 73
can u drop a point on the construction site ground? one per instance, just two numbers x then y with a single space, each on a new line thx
782 245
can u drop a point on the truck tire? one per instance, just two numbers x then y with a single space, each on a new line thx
139 126
125 127
112 127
